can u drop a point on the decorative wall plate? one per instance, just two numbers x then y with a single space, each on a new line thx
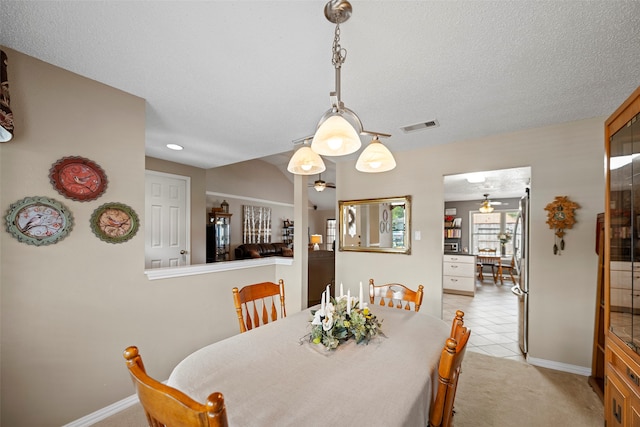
114 222
78 178
38 221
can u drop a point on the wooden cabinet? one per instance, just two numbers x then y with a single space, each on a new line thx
458 274
622 266
596 379
322 272
622 389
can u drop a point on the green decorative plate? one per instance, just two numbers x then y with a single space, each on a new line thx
38 221
114 222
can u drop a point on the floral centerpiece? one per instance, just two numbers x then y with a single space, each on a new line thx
504 238
340 319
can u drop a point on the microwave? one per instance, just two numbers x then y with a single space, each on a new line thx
450 247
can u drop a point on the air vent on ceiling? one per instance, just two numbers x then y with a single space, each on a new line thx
421 126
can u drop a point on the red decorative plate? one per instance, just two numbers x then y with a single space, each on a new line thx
78 178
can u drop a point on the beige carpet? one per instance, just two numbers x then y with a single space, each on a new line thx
500 392
494 392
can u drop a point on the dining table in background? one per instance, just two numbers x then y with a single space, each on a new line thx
273 375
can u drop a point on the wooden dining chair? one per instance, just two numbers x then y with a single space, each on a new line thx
457 326
441 414
509 269
166 406
247 300
395 294
487 257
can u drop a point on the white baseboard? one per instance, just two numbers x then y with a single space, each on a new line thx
101 414
558 366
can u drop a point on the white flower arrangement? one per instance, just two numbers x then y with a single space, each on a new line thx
342 319
504 237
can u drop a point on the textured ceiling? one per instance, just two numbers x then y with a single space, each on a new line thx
498 184
236 80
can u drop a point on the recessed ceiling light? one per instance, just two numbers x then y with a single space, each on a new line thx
175 147
475 178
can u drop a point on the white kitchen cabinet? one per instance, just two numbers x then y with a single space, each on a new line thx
459 274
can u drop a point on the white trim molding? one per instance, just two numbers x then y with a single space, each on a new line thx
559 366
215 267
106 412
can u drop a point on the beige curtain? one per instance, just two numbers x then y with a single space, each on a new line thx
256 226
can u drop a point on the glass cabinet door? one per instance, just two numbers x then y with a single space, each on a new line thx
222 236
624 221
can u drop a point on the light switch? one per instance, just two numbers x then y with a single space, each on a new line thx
417 235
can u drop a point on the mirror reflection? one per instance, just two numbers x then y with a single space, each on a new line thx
375 225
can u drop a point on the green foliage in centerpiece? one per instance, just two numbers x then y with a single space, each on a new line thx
334 324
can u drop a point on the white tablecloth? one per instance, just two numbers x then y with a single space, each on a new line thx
269 377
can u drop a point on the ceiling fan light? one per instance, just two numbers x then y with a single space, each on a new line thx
486 207
320 186
375 158
306 162
336 137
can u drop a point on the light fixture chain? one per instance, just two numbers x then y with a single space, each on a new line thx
339 54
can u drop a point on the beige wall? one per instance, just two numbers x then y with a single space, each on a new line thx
565 160
69 310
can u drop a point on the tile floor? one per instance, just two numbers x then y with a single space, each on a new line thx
492 316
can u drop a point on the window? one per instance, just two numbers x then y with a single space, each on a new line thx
330 233
485 228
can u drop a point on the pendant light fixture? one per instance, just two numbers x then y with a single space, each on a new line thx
486 205
375 158
305 161
339 129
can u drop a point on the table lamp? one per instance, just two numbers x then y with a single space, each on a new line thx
316 239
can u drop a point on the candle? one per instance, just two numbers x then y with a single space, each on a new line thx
328 291
348 300
322 303
341 291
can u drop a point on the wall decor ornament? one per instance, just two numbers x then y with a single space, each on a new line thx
560 217
114 222
78 178
38 221
6 115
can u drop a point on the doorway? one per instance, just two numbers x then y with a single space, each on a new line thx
493 311
167 220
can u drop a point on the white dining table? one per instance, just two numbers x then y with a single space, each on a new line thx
273 375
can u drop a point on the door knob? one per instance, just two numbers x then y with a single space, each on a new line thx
182 252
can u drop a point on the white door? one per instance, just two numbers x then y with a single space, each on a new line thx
167 224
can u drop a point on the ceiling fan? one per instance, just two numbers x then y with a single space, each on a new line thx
486 206
320 185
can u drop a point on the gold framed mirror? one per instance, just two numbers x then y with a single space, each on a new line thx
375 225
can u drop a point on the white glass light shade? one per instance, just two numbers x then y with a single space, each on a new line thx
306 162
486 207
320 186
336 137
375 158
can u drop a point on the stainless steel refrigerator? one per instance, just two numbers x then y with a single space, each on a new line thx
521 258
